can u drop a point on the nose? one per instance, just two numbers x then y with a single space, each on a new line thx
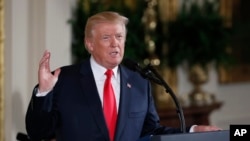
114 41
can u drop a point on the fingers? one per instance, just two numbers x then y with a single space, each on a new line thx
45 61
213 128
203 128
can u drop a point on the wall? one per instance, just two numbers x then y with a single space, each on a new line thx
31 27
235 98
35 25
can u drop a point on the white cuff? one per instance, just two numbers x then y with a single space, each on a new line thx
41 94
192 128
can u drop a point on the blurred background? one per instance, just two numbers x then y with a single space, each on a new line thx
200 47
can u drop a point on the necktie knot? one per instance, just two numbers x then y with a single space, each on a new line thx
109 73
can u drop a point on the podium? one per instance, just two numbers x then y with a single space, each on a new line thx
223 135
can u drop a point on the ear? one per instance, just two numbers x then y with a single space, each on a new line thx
89 44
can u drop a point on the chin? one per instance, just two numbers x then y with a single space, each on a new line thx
116 61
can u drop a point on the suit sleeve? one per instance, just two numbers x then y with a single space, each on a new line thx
152 122
41 117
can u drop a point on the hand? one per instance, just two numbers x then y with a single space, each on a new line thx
204 128
46 79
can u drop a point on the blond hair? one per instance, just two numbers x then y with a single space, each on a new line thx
106 16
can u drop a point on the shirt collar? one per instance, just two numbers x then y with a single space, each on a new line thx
99 70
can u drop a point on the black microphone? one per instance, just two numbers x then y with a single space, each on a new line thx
22 137
145 72
132 65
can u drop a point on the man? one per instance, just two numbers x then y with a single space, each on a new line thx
70 102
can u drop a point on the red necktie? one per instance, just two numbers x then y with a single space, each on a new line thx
109 105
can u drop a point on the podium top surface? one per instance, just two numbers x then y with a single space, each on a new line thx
223 135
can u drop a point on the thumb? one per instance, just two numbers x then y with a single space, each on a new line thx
57 72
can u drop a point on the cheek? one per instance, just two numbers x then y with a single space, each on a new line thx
101 51
122 47
122 50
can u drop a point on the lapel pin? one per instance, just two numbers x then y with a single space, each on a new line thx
128 85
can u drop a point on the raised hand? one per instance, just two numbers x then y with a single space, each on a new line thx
46 79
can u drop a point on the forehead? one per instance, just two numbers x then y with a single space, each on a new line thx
109 27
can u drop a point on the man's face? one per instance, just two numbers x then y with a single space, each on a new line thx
107 44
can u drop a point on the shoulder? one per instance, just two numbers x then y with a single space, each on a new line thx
131 74
70 68
74 69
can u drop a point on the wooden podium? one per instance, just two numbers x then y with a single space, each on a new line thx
193 115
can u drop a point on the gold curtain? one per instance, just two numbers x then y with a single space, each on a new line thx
1 70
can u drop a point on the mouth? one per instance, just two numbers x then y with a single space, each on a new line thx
114 53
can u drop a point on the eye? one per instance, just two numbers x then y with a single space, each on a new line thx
105 37
119 36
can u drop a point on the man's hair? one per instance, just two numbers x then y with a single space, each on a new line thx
106 16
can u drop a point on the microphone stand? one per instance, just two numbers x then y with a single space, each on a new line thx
149 71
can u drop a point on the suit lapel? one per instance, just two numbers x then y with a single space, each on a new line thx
92 97
124 104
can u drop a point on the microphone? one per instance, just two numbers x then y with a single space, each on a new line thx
145 72
22 137
150 73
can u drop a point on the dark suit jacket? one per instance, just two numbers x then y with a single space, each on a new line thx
72 111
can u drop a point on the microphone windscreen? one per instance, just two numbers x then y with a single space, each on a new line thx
130 64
